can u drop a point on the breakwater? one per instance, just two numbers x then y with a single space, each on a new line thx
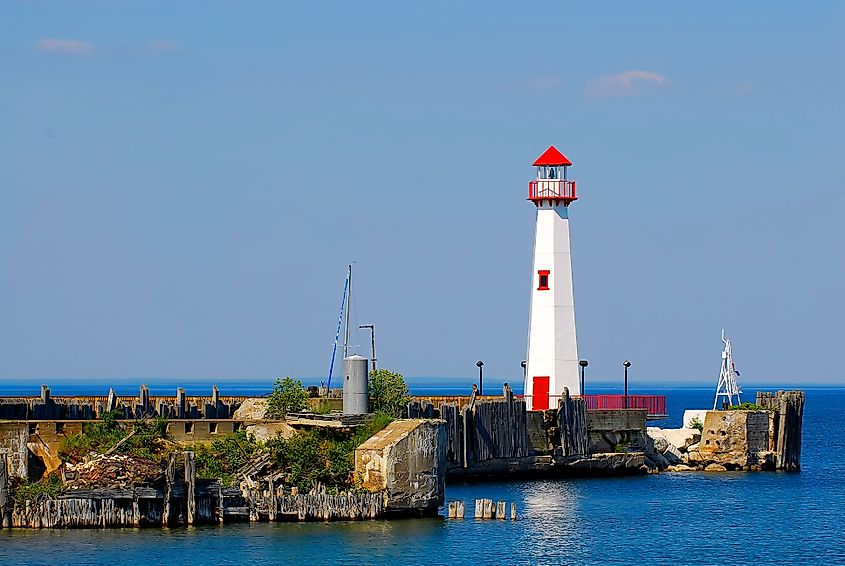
179 497
86 407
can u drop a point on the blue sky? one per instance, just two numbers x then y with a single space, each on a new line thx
183 183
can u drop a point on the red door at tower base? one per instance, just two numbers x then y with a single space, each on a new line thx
540 399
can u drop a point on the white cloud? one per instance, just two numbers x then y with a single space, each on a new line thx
629 83
54 45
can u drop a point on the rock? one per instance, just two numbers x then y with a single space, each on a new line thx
270 430
680 468
658 438
672 455
715 468
252 409
682 438
659 460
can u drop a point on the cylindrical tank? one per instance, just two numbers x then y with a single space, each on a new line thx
356 395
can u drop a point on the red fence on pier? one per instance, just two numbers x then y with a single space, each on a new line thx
655 405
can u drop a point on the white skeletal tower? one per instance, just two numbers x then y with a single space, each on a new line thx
552 358
727 387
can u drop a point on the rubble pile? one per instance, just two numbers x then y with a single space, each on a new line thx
117 471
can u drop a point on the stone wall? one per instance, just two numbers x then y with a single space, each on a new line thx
13 439
406 461
734 439
622 430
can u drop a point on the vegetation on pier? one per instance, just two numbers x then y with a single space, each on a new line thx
288 396
22 491
143 439
747 406
225 456
389 393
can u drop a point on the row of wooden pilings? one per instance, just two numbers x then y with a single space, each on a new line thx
484 509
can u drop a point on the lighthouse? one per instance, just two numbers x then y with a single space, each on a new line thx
552 357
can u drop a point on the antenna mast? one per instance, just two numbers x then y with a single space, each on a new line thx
346 329
727 387
343 306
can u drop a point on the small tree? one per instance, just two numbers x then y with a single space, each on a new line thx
388 393
695 422
288 396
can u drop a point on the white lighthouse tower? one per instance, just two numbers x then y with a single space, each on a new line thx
552 358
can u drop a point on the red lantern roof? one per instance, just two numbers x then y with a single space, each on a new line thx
552 157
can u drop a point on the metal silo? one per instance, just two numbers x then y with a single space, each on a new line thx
356 396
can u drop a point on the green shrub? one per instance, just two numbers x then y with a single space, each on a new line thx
288 396
388 393
696 423
21 492
100 436
323 455
225 456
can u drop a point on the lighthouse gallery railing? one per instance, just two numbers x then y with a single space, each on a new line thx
551 188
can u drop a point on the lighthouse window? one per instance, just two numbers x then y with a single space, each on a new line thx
543 284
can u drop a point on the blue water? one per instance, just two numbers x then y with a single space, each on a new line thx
692 518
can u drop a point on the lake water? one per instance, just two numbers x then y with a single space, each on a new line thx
690 518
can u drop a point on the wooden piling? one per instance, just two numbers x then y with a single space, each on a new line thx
169 479
190 486
488 509
501 512
271 500
460 507
513 511
453 510
479 508
5 499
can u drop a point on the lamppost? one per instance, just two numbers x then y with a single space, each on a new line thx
627 364
583 364
372 328
479 364
524 367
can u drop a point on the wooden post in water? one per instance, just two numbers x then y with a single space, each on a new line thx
479 508
460 507
190 485
513 511
488 509
501 510
221 509
271 501
5 499
453 510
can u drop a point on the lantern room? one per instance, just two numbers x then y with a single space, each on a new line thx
552 185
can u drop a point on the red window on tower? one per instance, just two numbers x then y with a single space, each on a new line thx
543 283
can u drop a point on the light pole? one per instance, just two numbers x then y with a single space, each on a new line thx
372 328
524 367
479 364
583 364
627 364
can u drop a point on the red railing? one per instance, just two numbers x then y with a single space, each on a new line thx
551 189
655 405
